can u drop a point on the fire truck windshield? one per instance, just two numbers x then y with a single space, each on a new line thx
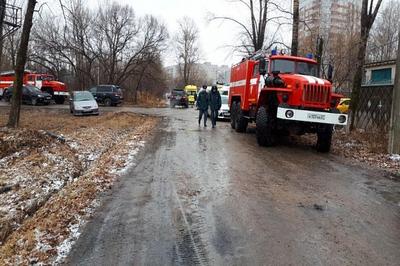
288 66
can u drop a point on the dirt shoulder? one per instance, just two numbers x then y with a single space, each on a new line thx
52 170
360 146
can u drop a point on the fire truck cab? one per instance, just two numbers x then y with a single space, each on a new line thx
44 82
283 95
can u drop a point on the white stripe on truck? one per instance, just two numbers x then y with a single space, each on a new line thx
238 83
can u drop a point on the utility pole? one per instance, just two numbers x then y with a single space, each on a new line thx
295 28
2 15
394 133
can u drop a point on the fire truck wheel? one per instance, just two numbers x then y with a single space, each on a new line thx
233 115
264 128
324 138
240 121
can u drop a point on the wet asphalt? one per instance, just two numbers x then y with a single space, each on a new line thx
202 196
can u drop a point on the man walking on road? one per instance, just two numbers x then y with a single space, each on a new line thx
215 104
202 104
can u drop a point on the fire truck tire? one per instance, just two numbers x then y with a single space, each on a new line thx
264 128
233 115
59 99
324 138
240 121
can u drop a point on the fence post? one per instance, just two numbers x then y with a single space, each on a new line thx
394 132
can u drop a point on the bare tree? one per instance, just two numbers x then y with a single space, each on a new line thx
20 67
295 28
369 12
187 49
108 45
384 34
253 36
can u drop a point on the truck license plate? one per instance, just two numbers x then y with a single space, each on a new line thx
316 116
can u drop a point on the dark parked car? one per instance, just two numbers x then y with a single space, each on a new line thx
30 95
178 98
109 95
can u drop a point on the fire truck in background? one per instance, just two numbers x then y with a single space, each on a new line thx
45 82
283 95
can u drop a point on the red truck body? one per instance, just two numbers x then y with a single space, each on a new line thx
287 97
45 82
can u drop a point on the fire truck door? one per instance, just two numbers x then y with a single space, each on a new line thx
253 93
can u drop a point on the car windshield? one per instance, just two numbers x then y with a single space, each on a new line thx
283 66
305 68
191 92
224 99
288 66
177 92
48 78
80 96
33 89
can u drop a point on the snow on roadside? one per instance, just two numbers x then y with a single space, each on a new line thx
394 157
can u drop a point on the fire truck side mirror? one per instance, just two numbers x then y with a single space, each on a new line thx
262 66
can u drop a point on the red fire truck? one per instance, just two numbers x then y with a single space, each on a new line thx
283 95
44 82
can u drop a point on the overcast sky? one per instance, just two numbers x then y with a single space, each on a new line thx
214 36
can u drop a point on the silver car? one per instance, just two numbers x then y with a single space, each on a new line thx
83 103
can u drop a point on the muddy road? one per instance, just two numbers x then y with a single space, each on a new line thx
202 196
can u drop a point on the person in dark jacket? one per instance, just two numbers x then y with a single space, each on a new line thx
202 104
215 104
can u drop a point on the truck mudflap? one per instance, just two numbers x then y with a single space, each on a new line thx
61 93
312 116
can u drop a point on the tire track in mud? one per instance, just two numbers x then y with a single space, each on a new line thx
189 248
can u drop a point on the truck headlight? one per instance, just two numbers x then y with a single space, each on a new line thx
289 114
342 119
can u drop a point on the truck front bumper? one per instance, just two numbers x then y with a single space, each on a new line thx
312 116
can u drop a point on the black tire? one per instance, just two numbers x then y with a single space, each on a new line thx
265 128
59 99
33 101
324 140
240 121
233 115
107 102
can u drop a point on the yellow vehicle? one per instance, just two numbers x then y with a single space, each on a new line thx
191 92
343 105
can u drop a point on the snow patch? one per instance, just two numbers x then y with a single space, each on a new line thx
394 157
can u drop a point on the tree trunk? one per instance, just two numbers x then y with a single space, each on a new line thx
2 14
13 119
295 29
357 80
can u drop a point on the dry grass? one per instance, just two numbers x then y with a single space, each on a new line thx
149 101
85 164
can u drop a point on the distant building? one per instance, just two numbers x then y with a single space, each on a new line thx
326 18
380 73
